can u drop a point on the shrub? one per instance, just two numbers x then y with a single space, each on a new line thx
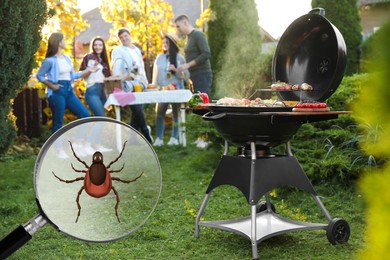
330 149
21 22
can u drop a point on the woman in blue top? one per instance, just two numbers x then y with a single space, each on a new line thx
57 73
164 74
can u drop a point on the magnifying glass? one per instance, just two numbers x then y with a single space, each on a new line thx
96 179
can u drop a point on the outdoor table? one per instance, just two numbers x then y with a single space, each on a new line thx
165 96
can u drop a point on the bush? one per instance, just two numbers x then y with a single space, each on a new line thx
330 149
21 22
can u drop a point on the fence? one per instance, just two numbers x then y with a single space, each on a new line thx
28 109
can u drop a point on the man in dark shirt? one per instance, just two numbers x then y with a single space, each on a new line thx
197 54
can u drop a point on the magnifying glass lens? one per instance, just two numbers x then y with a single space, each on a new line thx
97 179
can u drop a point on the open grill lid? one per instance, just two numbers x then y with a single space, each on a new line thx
311 50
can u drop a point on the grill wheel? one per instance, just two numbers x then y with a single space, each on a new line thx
338 231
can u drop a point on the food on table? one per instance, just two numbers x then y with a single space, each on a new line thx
151 86
170 87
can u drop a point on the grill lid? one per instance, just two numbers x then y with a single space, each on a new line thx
311 50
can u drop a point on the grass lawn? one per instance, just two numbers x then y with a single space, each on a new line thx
169 232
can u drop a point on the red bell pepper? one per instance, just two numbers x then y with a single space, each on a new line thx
205 98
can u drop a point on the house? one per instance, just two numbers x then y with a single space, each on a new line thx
192 8
97 27
373 13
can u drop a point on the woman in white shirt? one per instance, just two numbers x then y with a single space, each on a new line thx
97 59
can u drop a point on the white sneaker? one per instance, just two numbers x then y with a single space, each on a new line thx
202 144
197 141
158 142
150 133
61 154
173 141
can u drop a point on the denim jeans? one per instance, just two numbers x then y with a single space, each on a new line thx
96 98
202 82
138 121
64 98
160 120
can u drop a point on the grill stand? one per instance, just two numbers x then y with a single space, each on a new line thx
255 177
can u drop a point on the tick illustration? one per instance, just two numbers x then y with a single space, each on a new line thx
97 179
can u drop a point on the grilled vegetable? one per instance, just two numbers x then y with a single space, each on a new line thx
194 100
205 97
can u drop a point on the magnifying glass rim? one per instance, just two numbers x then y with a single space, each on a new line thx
54 137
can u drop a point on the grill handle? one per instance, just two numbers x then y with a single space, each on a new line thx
209 116
321 11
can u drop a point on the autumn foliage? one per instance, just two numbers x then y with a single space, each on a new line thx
146 19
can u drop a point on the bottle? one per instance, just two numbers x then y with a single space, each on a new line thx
135 68
169 73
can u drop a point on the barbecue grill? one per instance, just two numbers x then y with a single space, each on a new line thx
311 50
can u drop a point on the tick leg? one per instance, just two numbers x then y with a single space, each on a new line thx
119 156
127 181
117 203
75 155
78 203
68 181
123 166
76 169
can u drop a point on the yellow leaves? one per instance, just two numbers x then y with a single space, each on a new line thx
206 16
375 187
66 19
372 111
190 210
146 19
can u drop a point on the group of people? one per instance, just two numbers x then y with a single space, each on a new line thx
170 67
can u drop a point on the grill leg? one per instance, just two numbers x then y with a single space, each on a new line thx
253 232
200 213
253 205
322 207
268 202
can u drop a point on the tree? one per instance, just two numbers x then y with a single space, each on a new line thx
64 17
21 22
146 20
235 43
344 14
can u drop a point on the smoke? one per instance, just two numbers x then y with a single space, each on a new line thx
239 62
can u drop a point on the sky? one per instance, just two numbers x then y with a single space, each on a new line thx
274 15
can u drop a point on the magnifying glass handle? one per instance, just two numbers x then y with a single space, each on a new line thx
20 236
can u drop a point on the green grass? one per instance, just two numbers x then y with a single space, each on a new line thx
169 232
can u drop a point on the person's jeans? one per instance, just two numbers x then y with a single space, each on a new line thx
202 82
138 121
64 98
96 98
160 119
